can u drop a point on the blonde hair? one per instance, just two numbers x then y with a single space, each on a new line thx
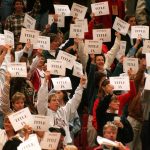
17 96
70 147
111 125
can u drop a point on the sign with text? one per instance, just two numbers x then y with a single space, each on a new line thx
83 22
146 47
2 39
78 11
62 10
40 123
60 22
29 35
120 83
130 63
100 9
102 34
77 69
50 140
140 32
93 46
31 143
147 87
76 31
43 42
17 69
148 59
62 83
68 58
9 38
21 118
29 22
122 49
121 26
56 67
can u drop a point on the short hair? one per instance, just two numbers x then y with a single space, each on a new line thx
52 36
70 147
127 17
58 130
105 82
100 55
114 97
17 96
111 125
51 96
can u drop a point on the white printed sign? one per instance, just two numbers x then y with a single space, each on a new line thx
120 83
76 31
93 46
43 42
147 87
62 83
29 22
56 67
122 49
77 69
60 22
21 118
62 10
68 58
50 141
29 35
121 26
2 39
17 69
41 123
78 11
9 38
100 8
130 63
102 34
30 144
146 47
83 22
148 59
140 32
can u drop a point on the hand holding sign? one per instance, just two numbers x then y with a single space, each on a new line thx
83 80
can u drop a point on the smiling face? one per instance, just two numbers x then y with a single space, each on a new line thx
19 6
100 62
53 102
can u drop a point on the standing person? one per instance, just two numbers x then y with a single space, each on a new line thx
14 22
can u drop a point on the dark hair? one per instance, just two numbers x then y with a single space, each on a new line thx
24 9
58 130
105 82
12 144
127 17
100 55
98 77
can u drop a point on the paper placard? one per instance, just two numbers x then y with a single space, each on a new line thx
122 49
100 9
9 38
93 46
41 123
78 11
146 47
62 83
50 140
2 39
120 83
29 22
147 87
77 69
102 34
62 10
30 144
76 31
148 59
43 42
29 35
130 63
21 118
121 26
60 22
56 67
68 58
140 32
83 22
17 69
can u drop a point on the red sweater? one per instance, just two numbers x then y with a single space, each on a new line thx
123 99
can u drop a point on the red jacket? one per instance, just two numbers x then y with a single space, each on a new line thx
123 99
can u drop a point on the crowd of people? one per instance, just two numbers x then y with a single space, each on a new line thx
122 117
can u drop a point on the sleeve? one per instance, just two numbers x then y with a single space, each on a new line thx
131 52
110 56
42 99
72 105
4 99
